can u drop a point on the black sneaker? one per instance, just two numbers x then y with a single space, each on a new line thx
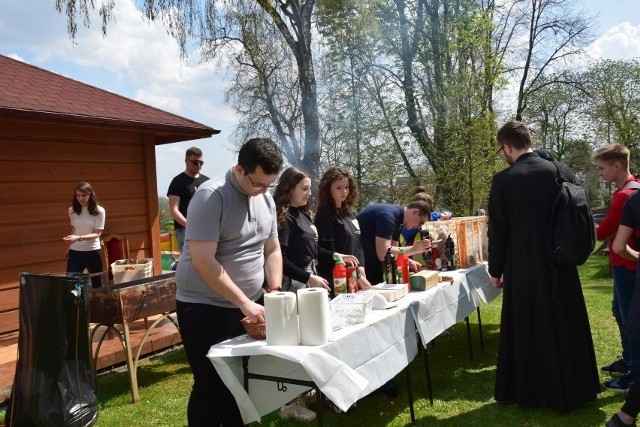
615 421
617 368
620 385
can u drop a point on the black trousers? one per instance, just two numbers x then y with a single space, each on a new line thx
202 325
91 260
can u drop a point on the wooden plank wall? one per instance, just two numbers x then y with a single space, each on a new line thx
40 166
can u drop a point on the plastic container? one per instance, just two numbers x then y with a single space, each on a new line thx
126 270
339 276
403 267
351 307
352 280
390 267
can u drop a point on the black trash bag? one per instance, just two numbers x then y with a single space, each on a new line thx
55 382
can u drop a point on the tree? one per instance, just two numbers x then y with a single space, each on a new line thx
614 95
165 217
264 89
555 116
215 24
537 40
439 53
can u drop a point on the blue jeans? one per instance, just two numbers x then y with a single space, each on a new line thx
623 287
180 232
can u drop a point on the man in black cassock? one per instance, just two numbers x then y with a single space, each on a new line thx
545 355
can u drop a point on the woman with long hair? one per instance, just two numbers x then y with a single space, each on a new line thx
300 251
297 234
338 230
87 222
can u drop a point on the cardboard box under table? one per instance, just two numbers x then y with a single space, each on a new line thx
125 303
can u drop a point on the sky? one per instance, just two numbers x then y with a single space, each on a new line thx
139 60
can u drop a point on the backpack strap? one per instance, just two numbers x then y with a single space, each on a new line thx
633 185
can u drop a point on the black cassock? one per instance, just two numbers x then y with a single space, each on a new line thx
545 355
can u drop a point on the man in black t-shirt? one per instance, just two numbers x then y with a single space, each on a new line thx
181 190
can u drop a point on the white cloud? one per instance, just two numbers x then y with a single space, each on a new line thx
619 42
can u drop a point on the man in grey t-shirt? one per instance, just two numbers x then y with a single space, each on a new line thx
231 247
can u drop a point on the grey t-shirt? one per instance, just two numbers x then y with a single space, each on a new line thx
220 212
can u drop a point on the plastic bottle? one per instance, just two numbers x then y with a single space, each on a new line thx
352 280
339 276
424 235
450 253
390 267
403 266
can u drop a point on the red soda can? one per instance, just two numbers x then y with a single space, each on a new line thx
352 279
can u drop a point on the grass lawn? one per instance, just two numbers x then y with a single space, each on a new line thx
462 389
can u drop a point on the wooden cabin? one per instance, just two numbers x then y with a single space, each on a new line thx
56 132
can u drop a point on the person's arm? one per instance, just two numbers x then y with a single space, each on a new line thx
620 246
205 263
609 224
174 204
498 230
383 244
273 263
285 237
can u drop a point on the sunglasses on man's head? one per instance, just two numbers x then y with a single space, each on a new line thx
196 162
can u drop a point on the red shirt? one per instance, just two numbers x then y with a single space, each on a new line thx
609 225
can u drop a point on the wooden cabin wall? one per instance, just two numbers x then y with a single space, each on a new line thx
40 165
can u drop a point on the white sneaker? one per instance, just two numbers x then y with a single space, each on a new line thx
298 411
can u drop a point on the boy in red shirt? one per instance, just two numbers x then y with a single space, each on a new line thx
613 167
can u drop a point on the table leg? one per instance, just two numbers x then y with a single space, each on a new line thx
425 353
480 329
131 367
410 393
466 320
248 375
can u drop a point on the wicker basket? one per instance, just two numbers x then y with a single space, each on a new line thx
256 331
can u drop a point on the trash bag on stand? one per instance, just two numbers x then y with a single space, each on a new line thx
54 383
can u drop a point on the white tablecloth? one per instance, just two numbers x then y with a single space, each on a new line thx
442 306
359 358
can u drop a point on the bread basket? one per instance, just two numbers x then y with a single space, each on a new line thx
256 331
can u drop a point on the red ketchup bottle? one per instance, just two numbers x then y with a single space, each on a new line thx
339 276
403 266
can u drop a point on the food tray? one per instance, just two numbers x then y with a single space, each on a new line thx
390 291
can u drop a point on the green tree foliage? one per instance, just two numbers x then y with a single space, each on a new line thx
614 103
439 52
165 217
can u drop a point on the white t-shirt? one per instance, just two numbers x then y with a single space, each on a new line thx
86 223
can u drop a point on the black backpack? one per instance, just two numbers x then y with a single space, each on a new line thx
573 234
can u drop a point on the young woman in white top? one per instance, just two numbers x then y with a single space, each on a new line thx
87 223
